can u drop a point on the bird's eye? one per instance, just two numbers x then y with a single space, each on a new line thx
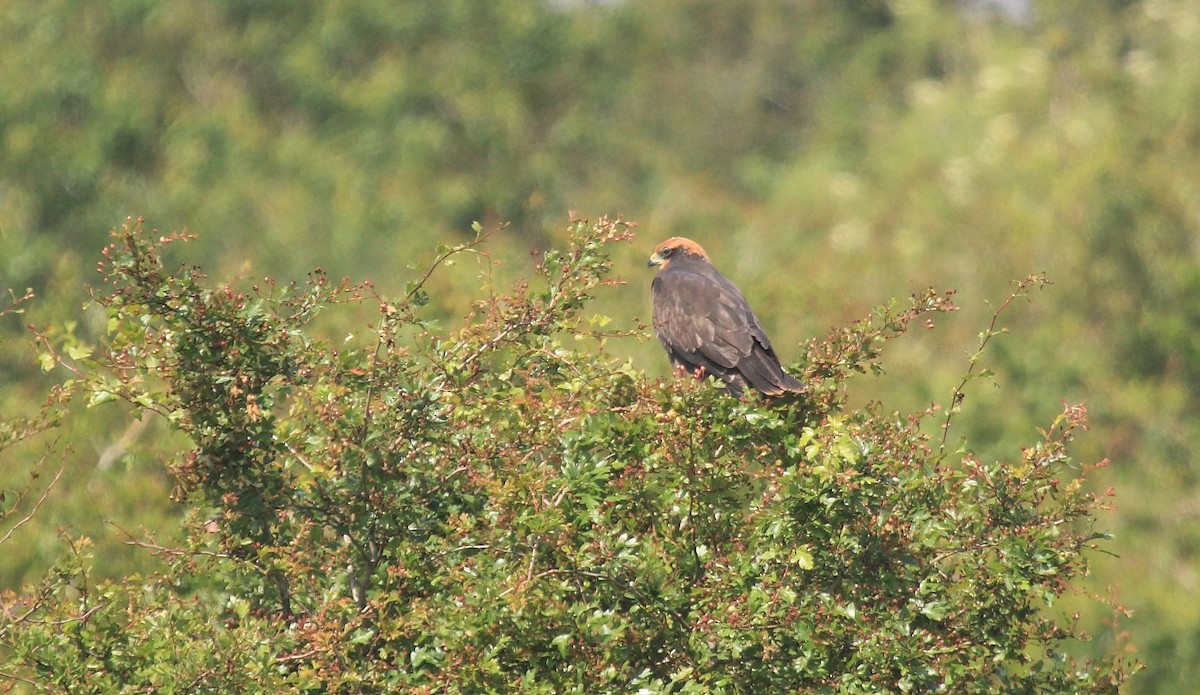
667 252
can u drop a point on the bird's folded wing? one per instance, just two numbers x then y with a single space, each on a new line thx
698 315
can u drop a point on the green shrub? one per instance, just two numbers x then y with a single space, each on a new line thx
508 507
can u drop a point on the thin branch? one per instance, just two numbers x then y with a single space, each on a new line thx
480 238
552 572
163 550
1022 289
15 677
37 505
66 621
459 549
14 304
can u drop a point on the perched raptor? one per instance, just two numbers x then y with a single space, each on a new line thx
707 326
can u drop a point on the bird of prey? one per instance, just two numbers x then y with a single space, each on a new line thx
707 326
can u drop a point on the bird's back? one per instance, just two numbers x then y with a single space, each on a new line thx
705 322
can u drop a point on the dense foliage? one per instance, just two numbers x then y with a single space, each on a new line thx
508 507
827 154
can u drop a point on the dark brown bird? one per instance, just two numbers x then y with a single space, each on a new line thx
706 325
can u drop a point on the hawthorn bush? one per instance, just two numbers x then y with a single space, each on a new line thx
510 508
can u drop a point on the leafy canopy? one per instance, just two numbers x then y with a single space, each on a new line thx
509 507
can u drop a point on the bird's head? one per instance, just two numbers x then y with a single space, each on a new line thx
673 248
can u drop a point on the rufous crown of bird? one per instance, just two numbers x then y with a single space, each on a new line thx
707 326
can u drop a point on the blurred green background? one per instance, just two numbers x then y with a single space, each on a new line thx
829 155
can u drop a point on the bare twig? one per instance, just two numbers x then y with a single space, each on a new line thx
37 505
14 304
157 549
66 621
15 677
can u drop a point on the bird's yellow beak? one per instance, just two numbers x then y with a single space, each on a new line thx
655 259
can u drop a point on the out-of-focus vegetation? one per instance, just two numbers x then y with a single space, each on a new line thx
828 155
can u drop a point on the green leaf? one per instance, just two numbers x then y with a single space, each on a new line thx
802 558
98 397
934 610
79 352
561 641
